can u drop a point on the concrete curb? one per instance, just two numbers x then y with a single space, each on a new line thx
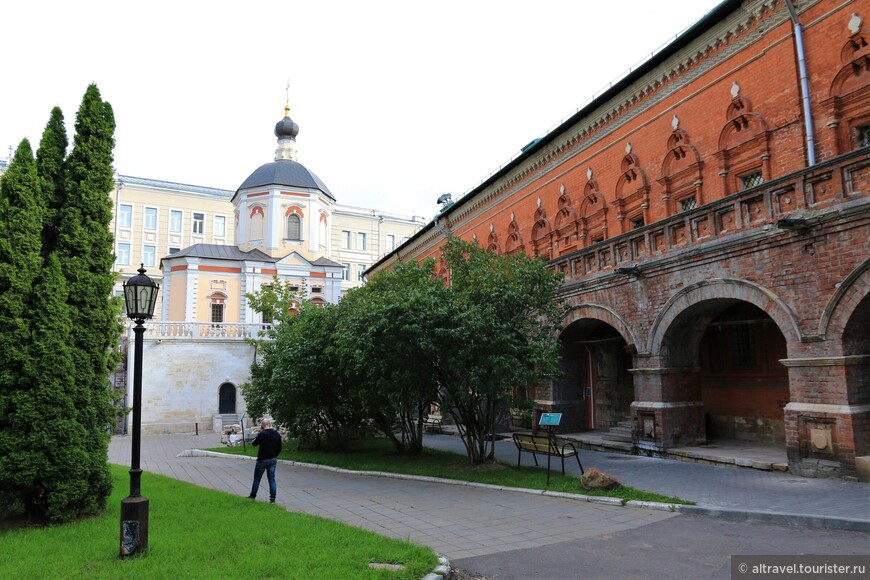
781 518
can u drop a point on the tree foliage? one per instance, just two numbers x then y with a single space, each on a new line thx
59 322
504 337
297 376
390 338
86 251
408 339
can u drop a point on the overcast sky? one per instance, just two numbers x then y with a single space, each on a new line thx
397 102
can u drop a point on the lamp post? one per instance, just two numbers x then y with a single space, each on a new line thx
140 295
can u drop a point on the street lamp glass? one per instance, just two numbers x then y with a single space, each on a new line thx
140 294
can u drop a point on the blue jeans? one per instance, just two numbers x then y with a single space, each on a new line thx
267 465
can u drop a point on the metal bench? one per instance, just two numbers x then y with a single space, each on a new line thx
545 445
432 423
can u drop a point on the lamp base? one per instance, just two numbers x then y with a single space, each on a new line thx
134 526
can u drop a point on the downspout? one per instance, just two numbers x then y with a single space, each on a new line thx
805 89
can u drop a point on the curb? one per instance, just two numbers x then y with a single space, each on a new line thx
781 518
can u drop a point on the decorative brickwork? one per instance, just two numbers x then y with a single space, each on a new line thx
706 264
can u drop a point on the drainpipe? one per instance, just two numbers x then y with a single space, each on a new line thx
805 89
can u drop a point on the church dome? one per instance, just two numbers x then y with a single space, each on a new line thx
286 128
285 172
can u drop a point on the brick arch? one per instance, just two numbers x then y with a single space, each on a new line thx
492 242
542 234
593 217
744 144
844 302
721 290
848 104
603 314
632 192
681 173
514 242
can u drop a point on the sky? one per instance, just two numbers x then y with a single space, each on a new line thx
397 102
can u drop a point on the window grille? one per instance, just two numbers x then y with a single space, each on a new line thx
294 227
688 203
217 312
750 180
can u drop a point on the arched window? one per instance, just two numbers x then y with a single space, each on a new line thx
227 399
294 227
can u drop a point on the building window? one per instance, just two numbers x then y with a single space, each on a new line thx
125 216
345 240
863 135
150 218
198 223
174 250
220 226
267 318
688 203
175 217
637 223
391 242
360 241
217 312
345 272
149 255
316 290
360 268
123 254
294 227
750 180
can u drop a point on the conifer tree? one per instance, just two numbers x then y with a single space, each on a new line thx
85 248
48 463
20 263
50 165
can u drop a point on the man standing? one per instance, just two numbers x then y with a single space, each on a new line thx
269 442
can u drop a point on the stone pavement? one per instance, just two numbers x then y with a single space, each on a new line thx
455 520
466 521
732 492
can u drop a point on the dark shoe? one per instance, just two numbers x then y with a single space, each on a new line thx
271 501
252 497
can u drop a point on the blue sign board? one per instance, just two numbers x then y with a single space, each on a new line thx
550 419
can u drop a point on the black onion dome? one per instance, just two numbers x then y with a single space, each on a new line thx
286 128
285 172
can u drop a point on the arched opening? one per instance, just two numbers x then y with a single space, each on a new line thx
595 375
729 351
227 399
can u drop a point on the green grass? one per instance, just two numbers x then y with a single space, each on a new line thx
379 455
202 533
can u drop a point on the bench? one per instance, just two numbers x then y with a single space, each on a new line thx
432 423
545 445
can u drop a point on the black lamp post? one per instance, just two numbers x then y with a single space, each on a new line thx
140 294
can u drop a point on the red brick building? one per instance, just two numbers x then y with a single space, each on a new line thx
711 215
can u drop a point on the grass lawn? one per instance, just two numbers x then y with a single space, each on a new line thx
202 533
378 454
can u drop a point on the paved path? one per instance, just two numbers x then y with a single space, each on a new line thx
721 488
457 521
510 535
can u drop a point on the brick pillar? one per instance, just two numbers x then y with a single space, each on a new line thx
827 422
667 410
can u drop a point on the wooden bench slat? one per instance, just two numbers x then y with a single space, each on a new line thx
545 445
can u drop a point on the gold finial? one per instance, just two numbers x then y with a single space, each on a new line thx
287 102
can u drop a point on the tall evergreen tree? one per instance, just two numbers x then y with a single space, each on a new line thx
85 248
20 262
47 465
50 165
